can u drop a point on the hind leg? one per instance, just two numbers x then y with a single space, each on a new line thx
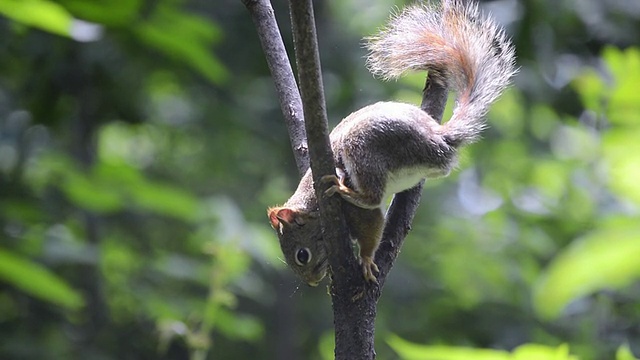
366 226
357 198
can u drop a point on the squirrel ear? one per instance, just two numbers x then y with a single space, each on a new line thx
273 217
281 214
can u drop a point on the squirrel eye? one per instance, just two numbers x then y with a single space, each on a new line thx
303 256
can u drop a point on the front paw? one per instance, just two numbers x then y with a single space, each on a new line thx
330 179
332 190
368 268
337 185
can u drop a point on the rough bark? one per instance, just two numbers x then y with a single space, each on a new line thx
353 310
290 103
354 300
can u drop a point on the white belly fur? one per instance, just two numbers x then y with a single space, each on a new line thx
407 178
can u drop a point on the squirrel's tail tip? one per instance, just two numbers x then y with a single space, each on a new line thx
452 37
468 51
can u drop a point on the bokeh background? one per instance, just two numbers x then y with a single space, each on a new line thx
141 142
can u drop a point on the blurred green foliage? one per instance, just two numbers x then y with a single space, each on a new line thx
141 141
411 351
37 281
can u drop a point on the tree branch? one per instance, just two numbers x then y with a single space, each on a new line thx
354 313
285 83
354 300
310 77
404 205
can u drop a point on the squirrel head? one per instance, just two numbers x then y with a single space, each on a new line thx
300 238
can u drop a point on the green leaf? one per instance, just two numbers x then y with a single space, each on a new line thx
591 89
620 148
542 352
554 187
41 14
604 259
108 188
239 326
130 184
544 121
166 200
624 353
186 38
37 281
108 12
621 98
411 351
507 115
625 97
90 194
326 345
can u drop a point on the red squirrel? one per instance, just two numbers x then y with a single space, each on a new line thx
388 147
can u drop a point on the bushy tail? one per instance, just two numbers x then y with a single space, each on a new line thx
465 49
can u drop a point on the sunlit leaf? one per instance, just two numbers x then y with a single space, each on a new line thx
604 259
107 12
620 148
37 281
410 351
625 97
165 199
159 198
553 187
146 194
624 353
326 345
620 95
542 352
125 143
119 175
109 187
91 195
83 189
42 14
591 88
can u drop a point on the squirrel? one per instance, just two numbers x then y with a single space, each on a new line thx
389 147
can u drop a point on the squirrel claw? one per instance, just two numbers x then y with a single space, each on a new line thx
337 187
330 179
332 190
368 268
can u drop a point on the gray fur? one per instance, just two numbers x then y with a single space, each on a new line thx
389 147
401 46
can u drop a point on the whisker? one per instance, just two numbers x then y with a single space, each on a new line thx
296 289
